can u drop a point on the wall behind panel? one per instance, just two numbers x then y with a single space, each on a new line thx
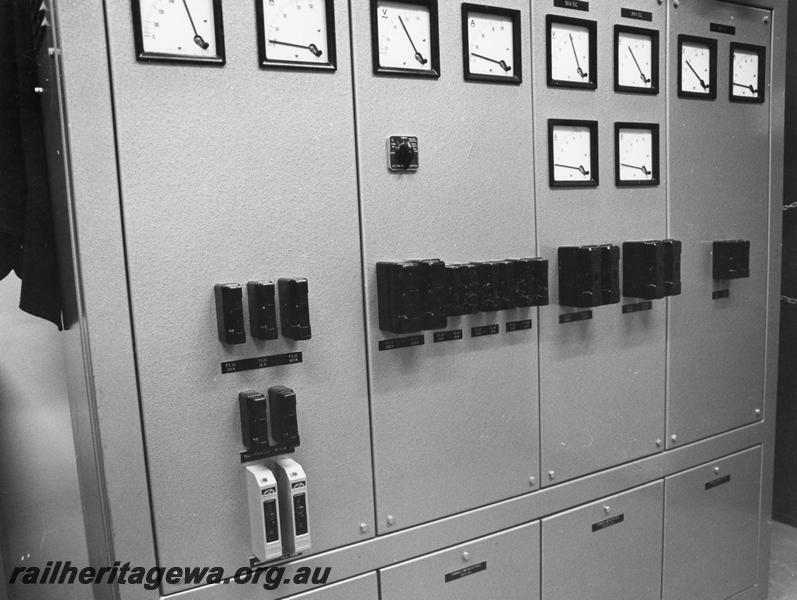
231 174
40 508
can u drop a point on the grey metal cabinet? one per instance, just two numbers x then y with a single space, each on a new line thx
606 550
505 565
711 528
364 587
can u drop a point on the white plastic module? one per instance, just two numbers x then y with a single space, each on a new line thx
295 514
264 512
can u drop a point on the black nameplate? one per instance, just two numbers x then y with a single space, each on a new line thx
260 453
405 342
718 482
584 315
448 336
572 4
638 307
454 575
639 15
261 362
484 330
720 28
607 523
518 325
720 294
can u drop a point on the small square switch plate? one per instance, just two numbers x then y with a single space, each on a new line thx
402 153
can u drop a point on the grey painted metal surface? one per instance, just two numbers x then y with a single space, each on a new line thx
219 191
711 528
719 190
454 424
364 587
505 565
605 550
602 380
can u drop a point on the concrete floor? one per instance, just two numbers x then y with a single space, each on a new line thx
783 563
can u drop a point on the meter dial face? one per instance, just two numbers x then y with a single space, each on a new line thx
573 153
636 60
636 154
571 50
748 74
179 30
405 37
296 33
491 47
697 67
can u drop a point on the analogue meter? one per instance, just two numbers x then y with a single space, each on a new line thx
491 44
572 153
748 73
697 67
636 154
571 52
188 31
636 60
404 37
296 33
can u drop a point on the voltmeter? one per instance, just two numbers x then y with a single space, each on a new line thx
636 60
296 33
404 37
748 73
187 31
572 52
697 67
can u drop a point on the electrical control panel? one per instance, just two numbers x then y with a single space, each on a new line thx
441 270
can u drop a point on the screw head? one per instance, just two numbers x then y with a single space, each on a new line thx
658 443
675 3
552 475
766 20
363 527
391 520
716 470
674 437
466 556
758 412
532 481
607 509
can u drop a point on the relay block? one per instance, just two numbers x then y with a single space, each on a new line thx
589 275
421 294
731 259
651 269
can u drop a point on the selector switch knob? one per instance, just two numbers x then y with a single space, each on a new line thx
405 154
402 153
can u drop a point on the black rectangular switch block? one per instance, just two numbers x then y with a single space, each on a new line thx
672 267
282 410
530 284
294 308
262 310
400 295
461 282
610 274
580 276
230 313
643 270
433 289
731 259
254 419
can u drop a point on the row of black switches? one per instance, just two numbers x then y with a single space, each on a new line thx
294 310
651 269
731 259
257 411
422 294
589 275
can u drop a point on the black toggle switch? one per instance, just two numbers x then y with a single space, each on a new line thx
461 281
610 274
672 267
731 259
282 410
580 276
433 293
230 313
294 308
262 310
644 270
254 419
400 296
530 282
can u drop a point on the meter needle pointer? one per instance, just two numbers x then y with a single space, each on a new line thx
501 63
418 56
311 47
198 39
641 72
643 168
699 78
578 65
747 87
579 168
